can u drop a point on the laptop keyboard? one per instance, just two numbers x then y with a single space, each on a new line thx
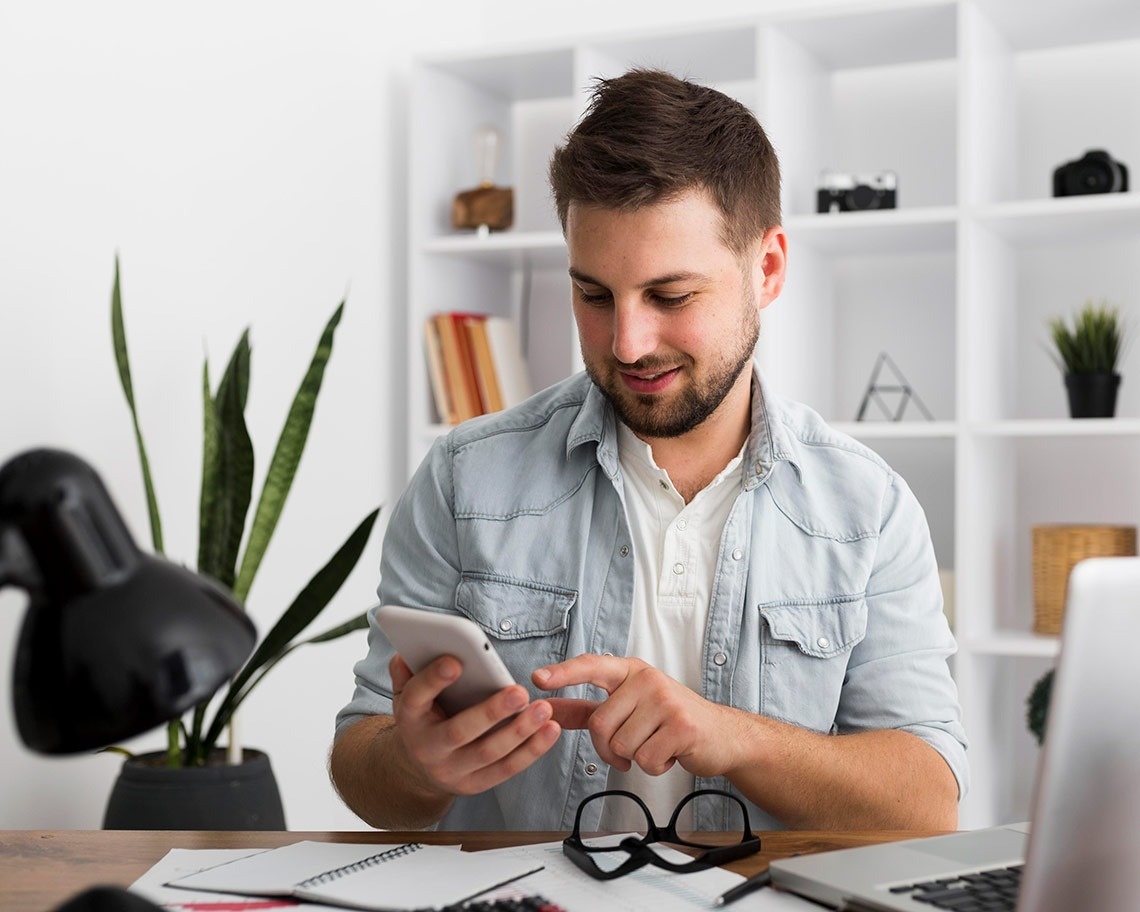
983 891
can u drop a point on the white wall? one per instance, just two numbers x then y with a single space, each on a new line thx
244 159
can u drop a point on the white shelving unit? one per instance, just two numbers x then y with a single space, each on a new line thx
973 104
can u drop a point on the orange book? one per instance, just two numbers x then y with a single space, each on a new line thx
470 378
489 393
456 368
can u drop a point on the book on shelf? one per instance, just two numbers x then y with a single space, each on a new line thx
475 364
511 369
457 368
490 398
441 395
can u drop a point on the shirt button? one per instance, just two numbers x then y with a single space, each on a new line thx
505 625
591 769
682 524
737 554
720 658
608 654
664 484
823 642
624 551
678 569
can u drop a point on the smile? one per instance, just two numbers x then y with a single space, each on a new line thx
649 383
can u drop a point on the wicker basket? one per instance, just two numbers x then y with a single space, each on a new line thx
1055 550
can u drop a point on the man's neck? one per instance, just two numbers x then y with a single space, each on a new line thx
696 457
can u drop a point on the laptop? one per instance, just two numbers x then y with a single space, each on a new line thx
1084 848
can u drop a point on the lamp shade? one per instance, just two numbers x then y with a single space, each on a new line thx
114 641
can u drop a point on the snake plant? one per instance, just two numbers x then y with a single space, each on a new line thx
226 495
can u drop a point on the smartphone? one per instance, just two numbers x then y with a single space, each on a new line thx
421 636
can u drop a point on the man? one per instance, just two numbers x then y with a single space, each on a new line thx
698 583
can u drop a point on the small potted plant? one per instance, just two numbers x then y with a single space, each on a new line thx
1088 353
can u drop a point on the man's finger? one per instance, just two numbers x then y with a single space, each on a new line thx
400 673
572 714
606 672
419 692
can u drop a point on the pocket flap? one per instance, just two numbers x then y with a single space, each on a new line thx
510 609
821 629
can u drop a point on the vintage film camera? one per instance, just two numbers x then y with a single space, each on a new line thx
1093 172
855 192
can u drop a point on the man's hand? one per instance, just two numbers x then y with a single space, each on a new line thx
473 750
649 718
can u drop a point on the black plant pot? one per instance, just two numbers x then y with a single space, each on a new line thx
148 795
1092 395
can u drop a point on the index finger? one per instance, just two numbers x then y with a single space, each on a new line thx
606 672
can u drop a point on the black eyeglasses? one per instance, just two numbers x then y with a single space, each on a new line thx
639 849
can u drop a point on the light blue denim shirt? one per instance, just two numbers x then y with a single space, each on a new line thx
825 610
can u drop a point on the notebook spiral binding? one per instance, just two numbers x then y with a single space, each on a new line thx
369 862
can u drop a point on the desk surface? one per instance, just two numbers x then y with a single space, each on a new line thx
39 869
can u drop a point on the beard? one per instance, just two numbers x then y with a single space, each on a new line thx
657 416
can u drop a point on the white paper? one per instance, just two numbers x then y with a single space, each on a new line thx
181 862
649 888
364 876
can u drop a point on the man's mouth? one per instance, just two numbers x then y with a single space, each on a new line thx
649 382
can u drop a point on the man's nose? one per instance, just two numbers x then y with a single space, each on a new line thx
634 331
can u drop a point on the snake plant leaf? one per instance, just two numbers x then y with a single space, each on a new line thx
310 602
227 470
360 622
122 361
286 457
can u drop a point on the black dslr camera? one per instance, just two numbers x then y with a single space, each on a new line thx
1094 172
853 193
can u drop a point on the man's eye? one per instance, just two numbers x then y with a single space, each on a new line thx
598 298
670 300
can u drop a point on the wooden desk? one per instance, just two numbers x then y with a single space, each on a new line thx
39 869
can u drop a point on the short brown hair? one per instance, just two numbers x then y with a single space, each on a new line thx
647 137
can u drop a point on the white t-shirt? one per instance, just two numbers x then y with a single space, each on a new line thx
675 550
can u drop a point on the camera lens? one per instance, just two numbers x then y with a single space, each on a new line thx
1094 178
862 197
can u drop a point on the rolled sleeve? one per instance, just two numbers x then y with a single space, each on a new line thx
898 675
418 569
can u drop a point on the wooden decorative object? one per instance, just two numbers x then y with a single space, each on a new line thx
1056 549
492 208
485 208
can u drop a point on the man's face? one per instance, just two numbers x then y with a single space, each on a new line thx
668 316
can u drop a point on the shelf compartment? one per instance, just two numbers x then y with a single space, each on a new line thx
1028 223
1061 427
508 249
888 231
1013 644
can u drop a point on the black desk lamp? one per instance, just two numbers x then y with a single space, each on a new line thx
114 641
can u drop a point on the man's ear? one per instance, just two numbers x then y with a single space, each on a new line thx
770 265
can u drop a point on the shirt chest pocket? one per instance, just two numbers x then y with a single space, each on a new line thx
805 647
528 623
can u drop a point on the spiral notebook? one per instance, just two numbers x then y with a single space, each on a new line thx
386 879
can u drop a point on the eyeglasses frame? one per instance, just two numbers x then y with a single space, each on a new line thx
639 849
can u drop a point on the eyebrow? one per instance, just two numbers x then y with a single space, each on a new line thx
666 279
